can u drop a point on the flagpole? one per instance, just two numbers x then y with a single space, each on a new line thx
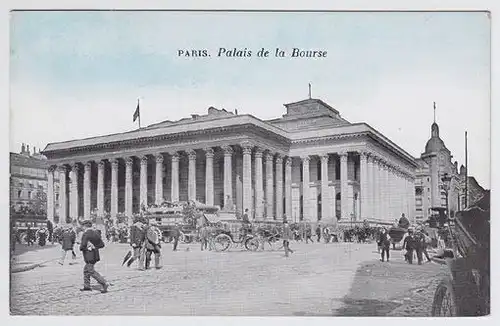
466 174
139 117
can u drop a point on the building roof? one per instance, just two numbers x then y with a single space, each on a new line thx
216 120
27 161
435 143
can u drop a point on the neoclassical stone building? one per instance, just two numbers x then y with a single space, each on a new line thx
310 164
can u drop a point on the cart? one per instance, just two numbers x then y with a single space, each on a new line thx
234 233
466 291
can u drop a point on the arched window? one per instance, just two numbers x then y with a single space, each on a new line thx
418 191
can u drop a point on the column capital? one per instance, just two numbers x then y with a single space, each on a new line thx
101 164
305 159
279 159
88 166
247 147
288 161
268 156
159 158
228 150
191 154
209 152
52 168
114 162
324 158
342 153
144 160
258 152
363 155
129 161
62 168
175 156
75 167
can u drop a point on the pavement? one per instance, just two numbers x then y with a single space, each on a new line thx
30 257
317 280
393 289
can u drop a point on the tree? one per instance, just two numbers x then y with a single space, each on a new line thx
39 204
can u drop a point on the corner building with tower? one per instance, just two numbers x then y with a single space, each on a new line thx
310 165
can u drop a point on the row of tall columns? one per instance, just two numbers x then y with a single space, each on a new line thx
385 191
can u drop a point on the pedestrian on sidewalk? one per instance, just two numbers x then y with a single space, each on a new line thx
152 244
409 244
385 244
67 244
137 237
30 236
287 234
318 233
176 234
90 245
309 234
204 236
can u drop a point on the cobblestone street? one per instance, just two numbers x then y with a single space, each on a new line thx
310 282
317 280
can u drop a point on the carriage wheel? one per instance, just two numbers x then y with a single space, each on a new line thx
222 242
252 244
445 304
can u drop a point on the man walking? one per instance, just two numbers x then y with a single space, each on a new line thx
318 233
67 243
90 245
385 244
152 244
409 245
287 234
309 234
176 233
137 236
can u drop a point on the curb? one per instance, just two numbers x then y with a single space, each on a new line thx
29 267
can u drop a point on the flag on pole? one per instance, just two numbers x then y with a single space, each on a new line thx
137 113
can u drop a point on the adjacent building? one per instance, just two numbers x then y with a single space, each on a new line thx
28 184
310 164
431 188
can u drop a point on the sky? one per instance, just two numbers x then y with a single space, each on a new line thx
79 74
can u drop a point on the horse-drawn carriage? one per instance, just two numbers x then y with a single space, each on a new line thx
466 291
234 233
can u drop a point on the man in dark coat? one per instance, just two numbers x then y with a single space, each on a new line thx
67 242
287 235
318 233
152 244
137 237
385 244
176 234
409 244
30 236
90 245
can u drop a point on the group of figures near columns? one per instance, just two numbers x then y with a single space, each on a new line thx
385 190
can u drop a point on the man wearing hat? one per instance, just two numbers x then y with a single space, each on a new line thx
152 244
90 245
137 237
409 244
